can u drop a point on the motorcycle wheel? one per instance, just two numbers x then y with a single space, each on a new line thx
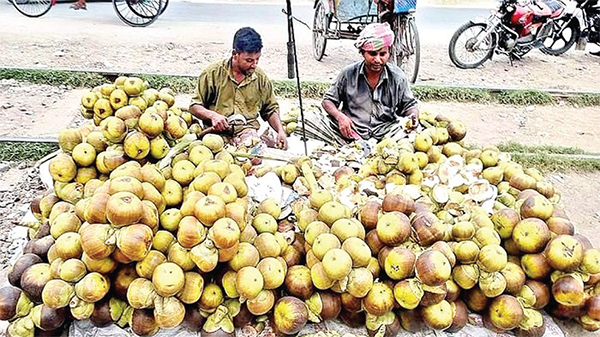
565 32
461 50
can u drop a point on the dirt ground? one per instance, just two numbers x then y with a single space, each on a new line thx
83 41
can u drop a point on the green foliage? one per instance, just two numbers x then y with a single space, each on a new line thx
585 100
53 77
521 148
552 158
310 89
179 84
287 88
433 93
548 163
25 151
525 97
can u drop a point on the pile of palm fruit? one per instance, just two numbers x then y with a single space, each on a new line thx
148 228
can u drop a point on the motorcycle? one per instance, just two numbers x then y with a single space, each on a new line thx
582 19
513 29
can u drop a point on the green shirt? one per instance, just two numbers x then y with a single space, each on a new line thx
217 90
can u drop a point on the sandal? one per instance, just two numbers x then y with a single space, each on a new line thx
78 6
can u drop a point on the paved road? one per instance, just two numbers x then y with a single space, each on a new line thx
433 22
191 34
436 23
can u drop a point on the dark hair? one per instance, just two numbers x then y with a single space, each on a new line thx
247 40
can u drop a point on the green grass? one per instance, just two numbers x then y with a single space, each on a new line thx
525 97
585 100
432 93
548 149
310 89
179 84
546 163
54 77
549 158
24 151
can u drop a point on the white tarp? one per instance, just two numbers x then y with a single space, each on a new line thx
332 328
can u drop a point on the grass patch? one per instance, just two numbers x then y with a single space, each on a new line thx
549 163
310 89
432 93
282 88
525 97
287 88
548 149
585 100
179 84
551 158
54 77
25 151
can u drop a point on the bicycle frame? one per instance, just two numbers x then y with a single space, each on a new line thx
400 17
338 32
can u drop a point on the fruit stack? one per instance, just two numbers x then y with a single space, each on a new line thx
422 234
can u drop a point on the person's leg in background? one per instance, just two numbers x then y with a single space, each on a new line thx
80 4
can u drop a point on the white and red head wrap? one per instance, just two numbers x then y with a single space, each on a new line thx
374 37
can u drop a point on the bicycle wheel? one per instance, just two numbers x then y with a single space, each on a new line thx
320 24
137 13
462 50
565 32
407 47
32 8
163 6
145 8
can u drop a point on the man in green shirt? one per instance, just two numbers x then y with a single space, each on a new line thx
237 86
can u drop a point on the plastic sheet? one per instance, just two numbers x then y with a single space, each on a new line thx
332 328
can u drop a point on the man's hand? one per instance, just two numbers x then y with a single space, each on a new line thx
413 114
282 140
219 122
275 123
347 127
345 124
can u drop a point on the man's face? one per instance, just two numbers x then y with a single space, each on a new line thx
245 62
376 59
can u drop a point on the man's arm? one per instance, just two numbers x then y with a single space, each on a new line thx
413 114
270 112
218 121
331 101
408 106
276 124
345 124
205 89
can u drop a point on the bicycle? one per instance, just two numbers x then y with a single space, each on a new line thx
334 20
139 13
135 13
407 46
